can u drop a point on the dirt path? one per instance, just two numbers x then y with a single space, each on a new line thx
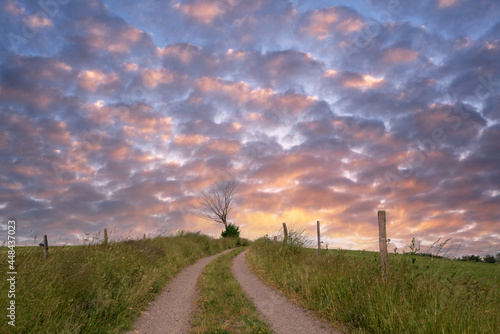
283 316
171 311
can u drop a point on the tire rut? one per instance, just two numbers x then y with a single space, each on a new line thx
171 311
283 316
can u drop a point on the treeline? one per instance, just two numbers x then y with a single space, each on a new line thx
476 258
473 258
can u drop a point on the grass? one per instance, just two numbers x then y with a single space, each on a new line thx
419 294
223 307
97 288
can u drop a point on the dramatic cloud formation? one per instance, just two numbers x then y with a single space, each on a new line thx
118 114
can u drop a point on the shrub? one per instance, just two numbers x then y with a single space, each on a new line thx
489 259
474 258
242 242
232 231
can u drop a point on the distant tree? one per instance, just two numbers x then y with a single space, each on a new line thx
231 231
217 201
489 259
475 258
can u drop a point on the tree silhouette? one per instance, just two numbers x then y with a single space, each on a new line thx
217 201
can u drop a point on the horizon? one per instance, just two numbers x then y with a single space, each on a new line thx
117 115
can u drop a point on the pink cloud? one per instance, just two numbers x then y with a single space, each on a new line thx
38 21
13 7
446 3
362 82
400 55
91 80
201 11
153 77
190 140
326 22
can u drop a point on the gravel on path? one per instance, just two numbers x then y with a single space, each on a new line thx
283 316
171 310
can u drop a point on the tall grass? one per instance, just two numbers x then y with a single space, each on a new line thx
97 288
419 294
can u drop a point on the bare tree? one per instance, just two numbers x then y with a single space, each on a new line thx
217 201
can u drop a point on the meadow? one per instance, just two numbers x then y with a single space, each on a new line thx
98 288
418 294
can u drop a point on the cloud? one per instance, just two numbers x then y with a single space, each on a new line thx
201 11
399 55
13 7
38 21
118 115
330 21
190 140
92 80
446 3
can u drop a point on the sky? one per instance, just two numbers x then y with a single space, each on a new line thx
118 114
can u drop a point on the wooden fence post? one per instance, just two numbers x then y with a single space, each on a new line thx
105 236
144 236
285 231
382 241
45 247
319 239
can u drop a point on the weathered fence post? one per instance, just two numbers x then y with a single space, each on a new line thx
319 239
382 241
105 236
285 231
144 236
45 247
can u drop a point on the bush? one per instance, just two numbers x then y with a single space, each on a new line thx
232 231
242 242
489 259
474 258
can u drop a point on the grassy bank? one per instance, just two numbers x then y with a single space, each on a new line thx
419 294
223 307
96 288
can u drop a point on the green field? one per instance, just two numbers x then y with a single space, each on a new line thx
97 288
102 289
418 295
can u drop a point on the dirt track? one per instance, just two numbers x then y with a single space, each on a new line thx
171 311
282 315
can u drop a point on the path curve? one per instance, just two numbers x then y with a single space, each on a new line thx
171 311
282 315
